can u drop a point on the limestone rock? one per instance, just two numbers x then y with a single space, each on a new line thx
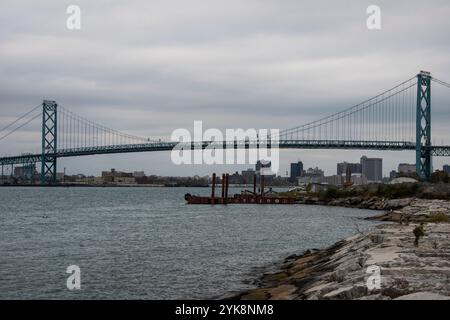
423 296
343 270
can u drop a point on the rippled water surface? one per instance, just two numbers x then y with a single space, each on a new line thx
146 243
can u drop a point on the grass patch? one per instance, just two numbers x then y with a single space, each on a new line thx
394 191
439 217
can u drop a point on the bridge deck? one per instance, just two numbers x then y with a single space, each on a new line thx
168 146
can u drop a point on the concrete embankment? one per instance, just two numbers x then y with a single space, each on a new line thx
342 270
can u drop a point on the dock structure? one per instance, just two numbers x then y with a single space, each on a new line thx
245 197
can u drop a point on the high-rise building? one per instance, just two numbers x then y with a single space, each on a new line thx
342 168
372 168
247 175
296 171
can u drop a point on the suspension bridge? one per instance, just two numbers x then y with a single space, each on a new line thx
396 119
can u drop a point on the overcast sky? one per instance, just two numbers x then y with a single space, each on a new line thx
149 67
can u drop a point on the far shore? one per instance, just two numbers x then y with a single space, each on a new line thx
66 185
99 186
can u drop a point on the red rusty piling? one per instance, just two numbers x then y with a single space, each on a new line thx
242 198
226 187
261 180
213 188
223 186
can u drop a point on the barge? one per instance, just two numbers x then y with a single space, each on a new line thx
245 197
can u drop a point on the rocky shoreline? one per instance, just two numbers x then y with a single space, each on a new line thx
372 203
342 271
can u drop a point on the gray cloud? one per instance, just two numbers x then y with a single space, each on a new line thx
148 67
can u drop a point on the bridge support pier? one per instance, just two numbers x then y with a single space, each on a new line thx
423 126
49 139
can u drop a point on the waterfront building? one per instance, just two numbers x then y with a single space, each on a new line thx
393 174
318 187
25 172
138 174
342 168
314 172
235 178
60 176
335 180
118 177
406 168
296 171
372 168
247 176
311 176
85 180
358 180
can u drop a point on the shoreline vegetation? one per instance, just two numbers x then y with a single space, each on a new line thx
411 252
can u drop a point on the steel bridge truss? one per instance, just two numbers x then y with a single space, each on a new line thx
72 135
49 142
423 126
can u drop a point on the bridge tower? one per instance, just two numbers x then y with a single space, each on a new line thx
423 125
49 138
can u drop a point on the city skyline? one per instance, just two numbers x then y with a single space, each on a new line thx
329 167
295 170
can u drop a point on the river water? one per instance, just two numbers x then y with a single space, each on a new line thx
146 243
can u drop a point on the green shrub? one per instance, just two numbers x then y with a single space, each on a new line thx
439 176
308 187
439 217
400 190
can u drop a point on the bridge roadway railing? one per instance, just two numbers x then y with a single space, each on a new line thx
168 146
